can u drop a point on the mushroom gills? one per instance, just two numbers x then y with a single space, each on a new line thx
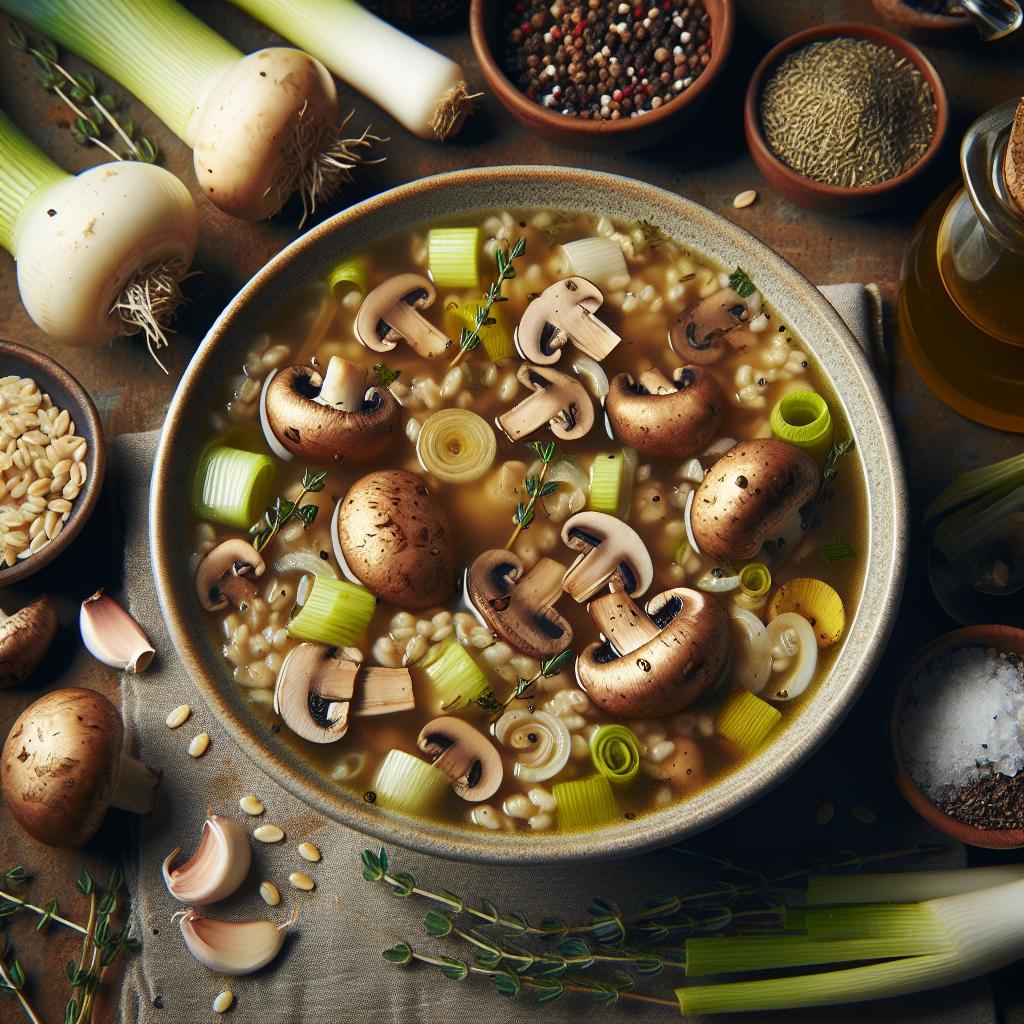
698 332
562 313
465 755
556 400
611 555
391 312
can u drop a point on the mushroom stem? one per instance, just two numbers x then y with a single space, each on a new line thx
532 413
239 591
590 335
622 622
383 691
423 337
541 587
136 787
655 382
591 571
344 385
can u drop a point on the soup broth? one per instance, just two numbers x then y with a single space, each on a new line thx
757 363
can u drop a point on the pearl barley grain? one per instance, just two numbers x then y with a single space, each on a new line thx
300 880
179 716
223 1001
199 745
269 834
270 894
251 805
745 199
310 852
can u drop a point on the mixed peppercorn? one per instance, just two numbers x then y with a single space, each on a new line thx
603 59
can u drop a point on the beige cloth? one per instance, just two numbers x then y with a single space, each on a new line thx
331 969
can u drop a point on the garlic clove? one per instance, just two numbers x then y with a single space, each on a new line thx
112 635
233 947
216 869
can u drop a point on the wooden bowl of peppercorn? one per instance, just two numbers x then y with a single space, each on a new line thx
820 193
622 80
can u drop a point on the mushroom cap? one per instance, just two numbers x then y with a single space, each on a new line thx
372 327
25 638
1013 162
397 541
669 672
698 333
748 493
518 610
666 426
321 433
546 316
465 755
225 570
314 691
60 765
612 554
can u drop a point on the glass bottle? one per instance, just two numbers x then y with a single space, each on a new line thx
961 306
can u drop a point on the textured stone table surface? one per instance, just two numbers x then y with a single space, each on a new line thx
707 162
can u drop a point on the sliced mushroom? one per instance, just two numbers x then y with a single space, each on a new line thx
390 313
611 555
314 691
465 755
564 312
686 655
25 637
748 494
520 609
556 399
662 418
699 333
225 575
331 419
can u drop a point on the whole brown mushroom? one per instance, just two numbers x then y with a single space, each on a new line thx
25 637
330 419
392 535
748 494
62 768
662 418
658 663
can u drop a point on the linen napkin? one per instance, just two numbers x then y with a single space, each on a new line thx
331 968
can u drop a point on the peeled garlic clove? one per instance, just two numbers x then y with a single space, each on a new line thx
232 947
112 635
216 869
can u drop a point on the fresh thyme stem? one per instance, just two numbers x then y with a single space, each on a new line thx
506 271
25 1005
536 488
283 511
6 897
548 668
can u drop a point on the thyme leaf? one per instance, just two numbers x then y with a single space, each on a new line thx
536 489
740 283
829 473
282 510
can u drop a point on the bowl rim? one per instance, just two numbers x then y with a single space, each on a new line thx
981 635
910 16
819 189
516 100
887 549
85 504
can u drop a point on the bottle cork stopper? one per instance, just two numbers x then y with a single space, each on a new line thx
1013 166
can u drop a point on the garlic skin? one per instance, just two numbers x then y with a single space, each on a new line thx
232 947
216 869
112 636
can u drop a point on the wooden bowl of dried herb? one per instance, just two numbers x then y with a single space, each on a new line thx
842 118
957 739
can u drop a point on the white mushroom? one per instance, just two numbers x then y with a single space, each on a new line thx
541 741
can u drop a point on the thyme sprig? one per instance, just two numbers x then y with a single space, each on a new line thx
523 689
536 488
102 942
829 473
283 510
470 338
96 109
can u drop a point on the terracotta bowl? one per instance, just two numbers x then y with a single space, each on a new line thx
816 195
922 25
1002 638
68 394
630 133
462 193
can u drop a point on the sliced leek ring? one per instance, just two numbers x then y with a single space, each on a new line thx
405 783
817 602
802 418
456 446
585 803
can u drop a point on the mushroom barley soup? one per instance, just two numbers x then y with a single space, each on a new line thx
486 549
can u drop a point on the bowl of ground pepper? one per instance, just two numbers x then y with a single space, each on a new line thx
602 73
842 118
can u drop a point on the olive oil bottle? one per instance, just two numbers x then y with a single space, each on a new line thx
961 305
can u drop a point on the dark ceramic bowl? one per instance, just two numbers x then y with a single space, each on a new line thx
68 394
923 26
1002 638
465 193
817 195
626 134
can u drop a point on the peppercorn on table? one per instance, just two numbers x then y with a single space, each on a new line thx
707 162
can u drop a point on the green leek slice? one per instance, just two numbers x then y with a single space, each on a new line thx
350 273
585 803
611 482
405 783
746 720
496 338
457 680
454 258
232 486
802 418
615 751
335 613
755 579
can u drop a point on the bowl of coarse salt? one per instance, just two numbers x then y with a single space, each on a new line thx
958 735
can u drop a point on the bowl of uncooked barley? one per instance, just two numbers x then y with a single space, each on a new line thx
51 461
